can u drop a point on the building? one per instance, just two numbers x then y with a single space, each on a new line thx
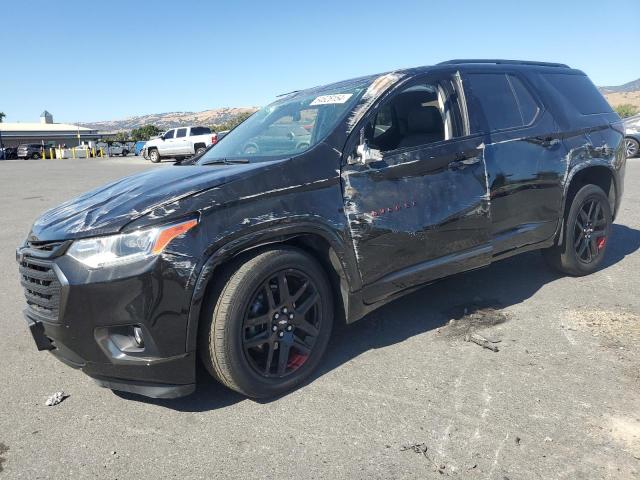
46 132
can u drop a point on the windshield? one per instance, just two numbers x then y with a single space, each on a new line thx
288 126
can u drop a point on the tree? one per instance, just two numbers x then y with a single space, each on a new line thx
232 123
2 115
626 110
121 137
145 133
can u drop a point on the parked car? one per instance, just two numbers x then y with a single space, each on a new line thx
30 150
180 143
246 259
118 148
138 146
632 136
8 153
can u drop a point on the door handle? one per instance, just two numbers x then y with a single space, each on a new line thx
548 142
463 162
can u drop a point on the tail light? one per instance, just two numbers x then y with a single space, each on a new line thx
214 139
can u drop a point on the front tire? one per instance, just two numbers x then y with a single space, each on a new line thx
154 156
586 232
267 328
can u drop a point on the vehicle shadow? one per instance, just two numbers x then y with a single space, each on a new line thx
503 284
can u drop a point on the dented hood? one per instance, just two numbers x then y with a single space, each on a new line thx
108 208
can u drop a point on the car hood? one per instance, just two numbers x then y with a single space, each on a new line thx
107 209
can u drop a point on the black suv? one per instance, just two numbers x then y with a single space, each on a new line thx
246 256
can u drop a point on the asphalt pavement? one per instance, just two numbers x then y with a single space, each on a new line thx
400 394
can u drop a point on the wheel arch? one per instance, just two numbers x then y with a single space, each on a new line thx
601 175
198 145
324 246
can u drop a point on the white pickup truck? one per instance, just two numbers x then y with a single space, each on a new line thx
180 143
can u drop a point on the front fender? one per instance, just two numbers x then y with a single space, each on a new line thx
259 236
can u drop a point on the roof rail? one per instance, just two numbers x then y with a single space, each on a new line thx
503 62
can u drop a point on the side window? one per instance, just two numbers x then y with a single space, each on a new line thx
420 114
169 134
181 132
383 121
526 103
493 98
200 131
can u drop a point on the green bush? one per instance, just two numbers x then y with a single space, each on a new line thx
626 110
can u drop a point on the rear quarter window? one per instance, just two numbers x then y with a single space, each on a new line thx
580 92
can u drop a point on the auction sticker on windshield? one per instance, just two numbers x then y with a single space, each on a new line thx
330 99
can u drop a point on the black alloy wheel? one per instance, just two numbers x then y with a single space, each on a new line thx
281 324
267 321
590 231
583 239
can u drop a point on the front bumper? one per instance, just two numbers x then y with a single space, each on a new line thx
96 312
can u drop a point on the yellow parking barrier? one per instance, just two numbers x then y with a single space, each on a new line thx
93 152
101 153
51 153
73 152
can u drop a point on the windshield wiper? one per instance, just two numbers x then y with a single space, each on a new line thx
225 161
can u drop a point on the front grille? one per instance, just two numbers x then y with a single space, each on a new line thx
44 246
41 287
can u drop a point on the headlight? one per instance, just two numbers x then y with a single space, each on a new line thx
127 247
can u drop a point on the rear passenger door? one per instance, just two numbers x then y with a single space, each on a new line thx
524 156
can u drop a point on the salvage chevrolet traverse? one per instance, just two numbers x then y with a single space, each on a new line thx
322 206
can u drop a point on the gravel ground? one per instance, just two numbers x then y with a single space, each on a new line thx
400 394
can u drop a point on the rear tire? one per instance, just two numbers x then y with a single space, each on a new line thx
200 150
278 302
125 153
35 156
585 234
154 156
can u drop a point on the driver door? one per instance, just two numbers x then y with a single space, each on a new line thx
167 147
418 207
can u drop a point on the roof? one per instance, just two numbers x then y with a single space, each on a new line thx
43 127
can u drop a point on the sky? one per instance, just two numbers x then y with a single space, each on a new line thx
105 60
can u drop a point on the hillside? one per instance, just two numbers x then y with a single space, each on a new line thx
171 119
621 94
615 95
627 87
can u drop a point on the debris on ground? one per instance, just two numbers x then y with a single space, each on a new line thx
480 340
56 398
422 449
517 440
3 449
477 318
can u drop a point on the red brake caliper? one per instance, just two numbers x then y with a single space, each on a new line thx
296 360
602 241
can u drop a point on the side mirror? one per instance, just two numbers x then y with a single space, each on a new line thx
365 154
